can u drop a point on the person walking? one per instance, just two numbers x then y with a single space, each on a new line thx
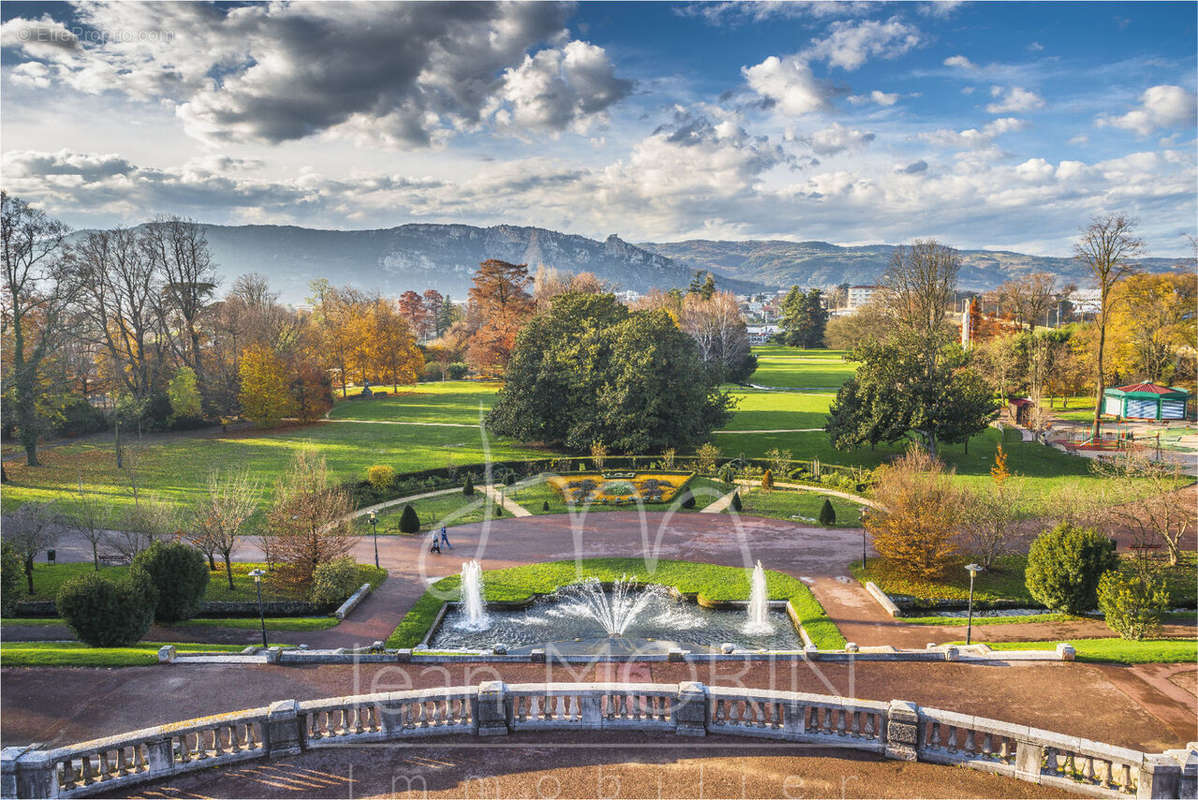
445 537
435 546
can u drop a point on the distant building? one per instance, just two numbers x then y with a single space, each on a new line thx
760 334
860 295
628 296
1145 401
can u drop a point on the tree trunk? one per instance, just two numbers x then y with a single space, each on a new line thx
228 569
29 573
1096 429
96 555
211 561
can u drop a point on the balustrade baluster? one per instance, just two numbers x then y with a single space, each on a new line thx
1125 783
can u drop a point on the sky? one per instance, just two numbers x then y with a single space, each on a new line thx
984 125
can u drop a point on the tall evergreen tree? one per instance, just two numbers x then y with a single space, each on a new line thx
804 318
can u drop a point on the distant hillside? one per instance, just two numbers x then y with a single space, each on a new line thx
827 265
442 257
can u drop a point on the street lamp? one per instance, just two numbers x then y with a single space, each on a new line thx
374 527
257 574
974 569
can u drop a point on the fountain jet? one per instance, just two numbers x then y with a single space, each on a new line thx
614 610
475 608
758 623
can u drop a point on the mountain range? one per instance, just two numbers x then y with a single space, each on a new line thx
444 257
782 263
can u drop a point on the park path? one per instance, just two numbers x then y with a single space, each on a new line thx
509 505
805 487
719 505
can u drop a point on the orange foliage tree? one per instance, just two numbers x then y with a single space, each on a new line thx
500 305
264 395
916 530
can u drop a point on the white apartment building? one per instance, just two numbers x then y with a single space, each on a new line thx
860 295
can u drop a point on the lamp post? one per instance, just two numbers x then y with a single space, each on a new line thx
974 569
257 576
374 528
863 564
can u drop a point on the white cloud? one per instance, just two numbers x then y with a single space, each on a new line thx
876 96
850 44
404 75
960 62
1160 107
973 137
1013 100
838 138
789 84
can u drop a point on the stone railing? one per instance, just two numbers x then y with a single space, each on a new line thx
897 729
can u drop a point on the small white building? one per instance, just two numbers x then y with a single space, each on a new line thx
860 295
760 334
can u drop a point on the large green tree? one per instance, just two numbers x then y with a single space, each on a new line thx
804 318
590 370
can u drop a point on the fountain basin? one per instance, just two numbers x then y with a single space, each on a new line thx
665 619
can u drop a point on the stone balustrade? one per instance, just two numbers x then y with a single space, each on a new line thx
897 729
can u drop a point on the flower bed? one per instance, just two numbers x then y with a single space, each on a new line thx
619 488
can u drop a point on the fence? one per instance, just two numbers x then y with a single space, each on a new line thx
897 729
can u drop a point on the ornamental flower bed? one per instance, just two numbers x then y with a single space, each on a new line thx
619 488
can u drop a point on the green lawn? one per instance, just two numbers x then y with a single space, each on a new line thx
175 471
1006 581
78 654
449 401
792 367
708 581
272 623
758 410
1124 651
47 579
801 507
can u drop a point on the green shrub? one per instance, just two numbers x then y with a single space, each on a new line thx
468 486
1064 566
688 499
545 506
456 370
1133 604
106 613
736 503
333 581
380 476
180 576
409 520
12 579
827 514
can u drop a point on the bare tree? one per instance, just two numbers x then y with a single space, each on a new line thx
39 292
146 520
222 513
1104 248
1031 298
308 522
178 251
920 285
1141 498
92 519
990 517
33 527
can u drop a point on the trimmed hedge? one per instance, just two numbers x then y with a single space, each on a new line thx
105 613
180 575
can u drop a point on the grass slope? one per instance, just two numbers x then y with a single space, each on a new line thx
792 367
1123 651
78 654
708 581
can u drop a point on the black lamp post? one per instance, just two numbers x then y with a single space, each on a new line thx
257 576
374 527
974 569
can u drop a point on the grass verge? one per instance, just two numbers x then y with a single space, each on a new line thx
1122 651
708 582
272 623
78 654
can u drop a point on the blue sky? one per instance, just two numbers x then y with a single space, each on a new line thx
1002 125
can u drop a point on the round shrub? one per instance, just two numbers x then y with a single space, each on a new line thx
456 370
545 506
736 504
12 579
431 372
1133 604
106 613
1064 566
468 486
688 499
827 514
409 521
380 476
180 576
333 581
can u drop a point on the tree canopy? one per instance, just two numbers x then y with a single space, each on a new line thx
590 370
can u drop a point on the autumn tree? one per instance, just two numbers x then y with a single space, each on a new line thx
339 316
499 305
1105 249
1141 497
991 514
415 313
40 291
434 304
1029 298
1153 325
264 392
308 522
917 528
399 359
222 513
866 324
